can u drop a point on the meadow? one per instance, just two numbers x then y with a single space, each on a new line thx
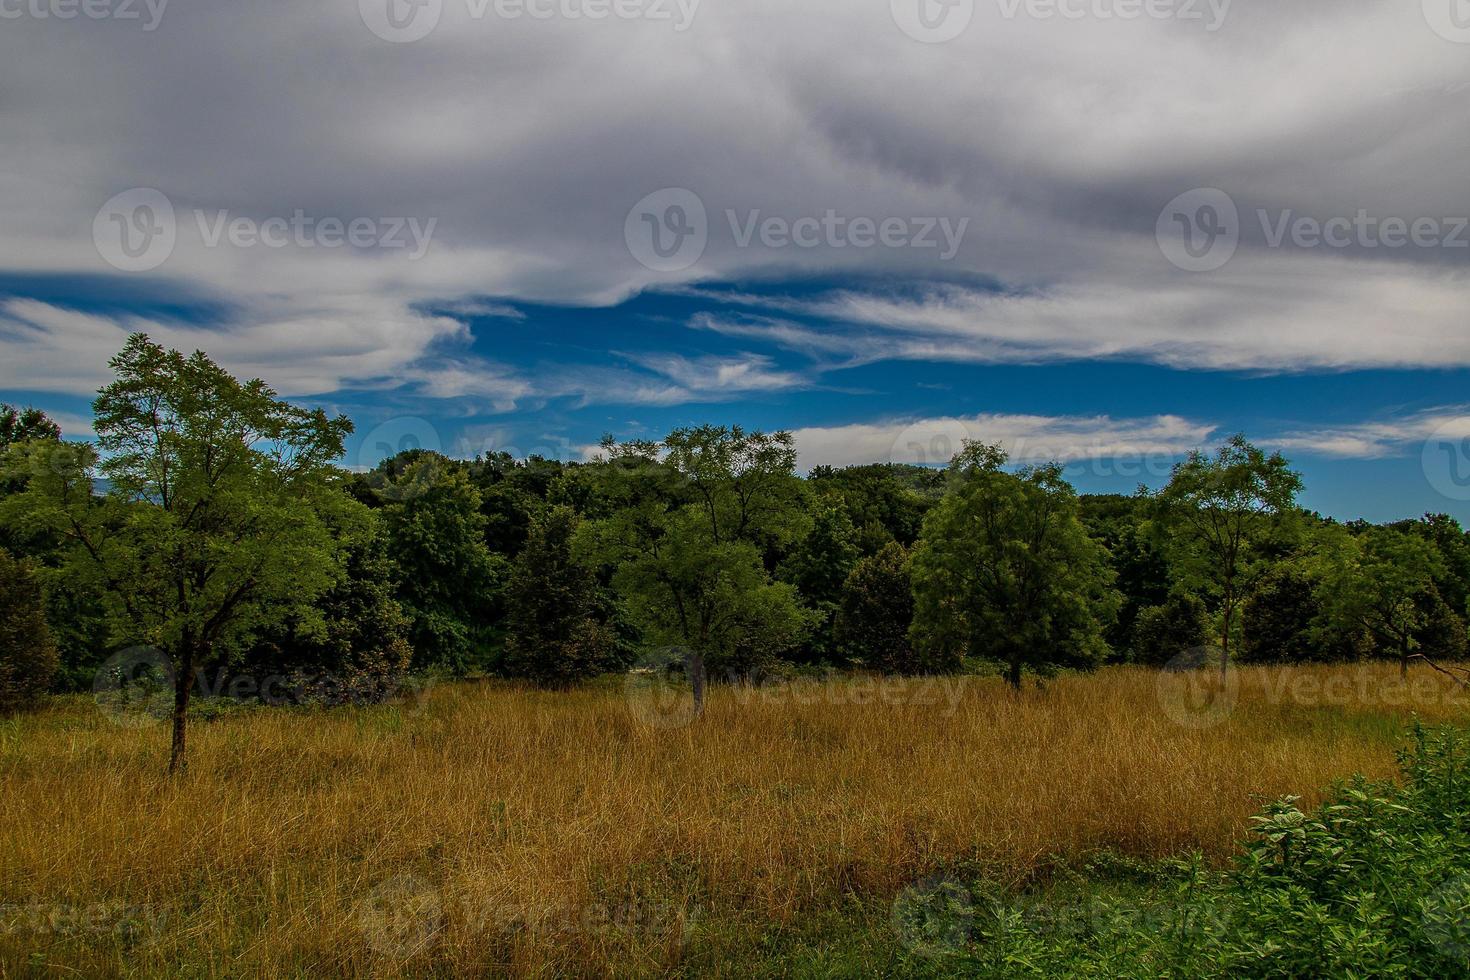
487 827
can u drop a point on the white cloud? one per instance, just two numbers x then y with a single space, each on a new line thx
1060 140
1028 439
1375 439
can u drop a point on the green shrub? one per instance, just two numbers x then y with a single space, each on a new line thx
1165 631
1374 883
28 658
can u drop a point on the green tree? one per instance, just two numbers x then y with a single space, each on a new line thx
1277 621
555 636
211 524
28 658
1223 515
25 424
1165 631
876 610
450 583
688 536
1375 581
354 646
1006 571
818 566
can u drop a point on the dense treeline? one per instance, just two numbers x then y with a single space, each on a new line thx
210 521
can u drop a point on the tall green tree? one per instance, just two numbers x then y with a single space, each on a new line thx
688 528
1006 571
1222 514
875 612
212 521
450 583
818 566
555 635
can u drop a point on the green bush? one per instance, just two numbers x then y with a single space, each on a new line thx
1165 631
28 658
1374 883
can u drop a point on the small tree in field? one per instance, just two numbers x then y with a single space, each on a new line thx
1006 571
1219 513
28 658
875 612
211 523
554 636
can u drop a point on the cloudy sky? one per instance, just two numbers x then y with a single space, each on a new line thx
1105 231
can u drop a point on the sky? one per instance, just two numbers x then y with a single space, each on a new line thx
1100 231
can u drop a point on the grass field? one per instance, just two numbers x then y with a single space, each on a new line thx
490 828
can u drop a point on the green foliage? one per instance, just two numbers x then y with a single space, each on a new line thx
817 567
1277 621
1377 581
1120 524
555 635
357 650
686 539
876 611
1006 571
450 583
884 501
28 658
211 527
1371 884
1224 517
25 424
1165 631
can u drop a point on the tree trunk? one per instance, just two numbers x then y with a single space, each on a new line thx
1404 658
183 687
696 680
1229 612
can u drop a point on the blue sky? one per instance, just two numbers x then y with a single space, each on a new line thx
644 365
1094 235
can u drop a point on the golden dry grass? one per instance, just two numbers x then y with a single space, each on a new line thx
488 828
